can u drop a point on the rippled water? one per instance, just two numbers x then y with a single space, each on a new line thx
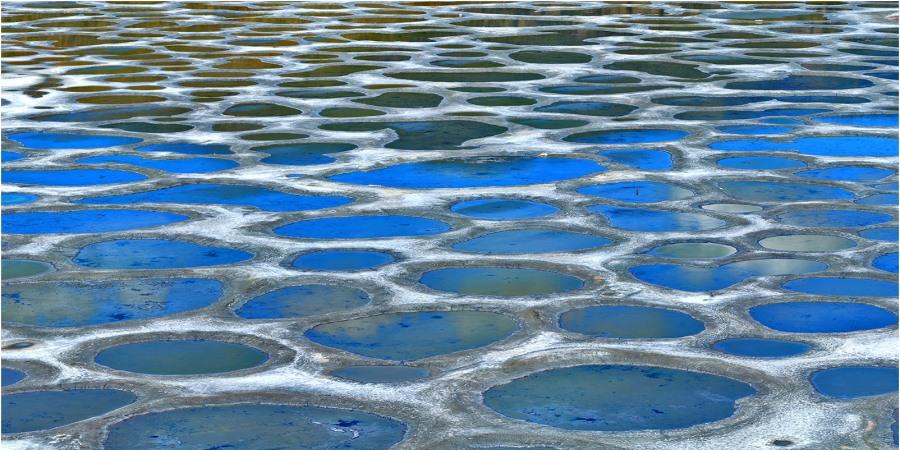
449 225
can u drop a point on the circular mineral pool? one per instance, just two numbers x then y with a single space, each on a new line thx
618 398
258 426
302 301
855 381
499 281
342 260
630 322
43 410
414 335
181 357
822 317
761 348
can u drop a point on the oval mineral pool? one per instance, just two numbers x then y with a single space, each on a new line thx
855 381
537 240
256 426
630 322
155 254
43 410
85 221
187 165
637 191
63 141
861 120
70 177
761 348
362 227
7 156
17 198
9 377
780 191
473 172
847 173
641 219
424 135
642 159
760 163
844 286
693 250
887 234
503 209
342 260
187 148
181 357
303 301
822 317
816 146
886 262
83 303
599 109
807 243
886 199
618 398
626 136
303 153
832 218
700 279
414 335
11 269
382 374
500 281
224 194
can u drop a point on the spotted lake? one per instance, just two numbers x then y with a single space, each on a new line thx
439 225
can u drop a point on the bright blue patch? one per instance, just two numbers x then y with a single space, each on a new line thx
65 141
822 317
71 177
